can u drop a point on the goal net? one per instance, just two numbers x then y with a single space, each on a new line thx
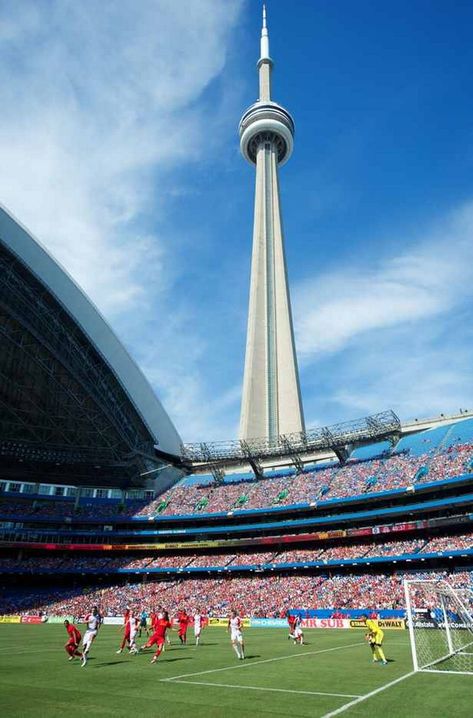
440 621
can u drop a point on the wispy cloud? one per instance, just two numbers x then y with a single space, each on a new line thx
101 103
395 332
429 278
98 102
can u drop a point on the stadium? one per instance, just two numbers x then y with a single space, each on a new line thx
103 505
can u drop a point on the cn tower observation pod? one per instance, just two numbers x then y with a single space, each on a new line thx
70 394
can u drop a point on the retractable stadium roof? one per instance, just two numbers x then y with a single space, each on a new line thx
72 401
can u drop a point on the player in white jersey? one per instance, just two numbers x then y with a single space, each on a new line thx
235 625
198 625
298 634
133 623
93 621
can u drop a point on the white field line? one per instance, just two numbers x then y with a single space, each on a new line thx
367 695
266 660
260 688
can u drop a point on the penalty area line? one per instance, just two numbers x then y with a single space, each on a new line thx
261 688
360 699
247 663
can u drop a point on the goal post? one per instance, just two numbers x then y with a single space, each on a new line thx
440 622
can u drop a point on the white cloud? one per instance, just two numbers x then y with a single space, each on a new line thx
97 99
429 279
101 102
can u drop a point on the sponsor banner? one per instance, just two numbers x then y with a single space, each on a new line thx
113 621
398 624
325 623
269 623
60 619
32 619
10 619
429 623
223 622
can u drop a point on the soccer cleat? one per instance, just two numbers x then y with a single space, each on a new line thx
154 660
83 662
384 663
119 650
71 658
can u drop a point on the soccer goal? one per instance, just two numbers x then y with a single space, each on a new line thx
440 621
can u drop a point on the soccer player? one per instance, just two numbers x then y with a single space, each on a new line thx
184 621
375 638
159 636
198 625
297 632
72 644
144 622
93 621
236 635
126 631
133 623
291 621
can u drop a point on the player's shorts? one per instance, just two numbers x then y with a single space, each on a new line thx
298 632
237 636
158 640
89 636
197 631
143 623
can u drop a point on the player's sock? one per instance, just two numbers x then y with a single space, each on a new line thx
237 650
381 654
197 640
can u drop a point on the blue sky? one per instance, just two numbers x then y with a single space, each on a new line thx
120 152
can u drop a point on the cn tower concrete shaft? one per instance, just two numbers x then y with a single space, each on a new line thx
271 401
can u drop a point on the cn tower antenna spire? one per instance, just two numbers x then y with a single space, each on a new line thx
264 38
265 63
271 403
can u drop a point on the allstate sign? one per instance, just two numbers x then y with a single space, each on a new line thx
269 623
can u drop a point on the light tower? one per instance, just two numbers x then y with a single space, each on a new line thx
271 401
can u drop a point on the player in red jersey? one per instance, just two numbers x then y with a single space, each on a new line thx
184 621
159 636
292 624
72 644
126 631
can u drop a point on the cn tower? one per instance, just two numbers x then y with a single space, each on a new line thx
271 402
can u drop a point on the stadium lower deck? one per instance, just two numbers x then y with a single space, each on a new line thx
333 542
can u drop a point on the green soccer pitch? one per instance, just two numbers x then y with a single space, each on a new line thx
332 675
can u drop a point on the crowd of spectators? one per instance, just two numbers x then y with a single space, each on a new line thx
357 477
449 543
354 478
255 596
333 551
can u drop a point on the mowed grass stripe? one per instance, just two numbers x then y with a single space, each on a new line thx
248 662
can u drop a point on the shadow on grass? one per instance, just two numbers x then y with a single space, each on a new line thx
110 663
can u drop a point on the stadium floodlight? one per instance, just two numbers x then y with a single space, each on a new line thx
440 622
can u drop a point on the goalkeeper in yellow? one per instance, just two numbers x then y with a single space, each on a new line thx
375 638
